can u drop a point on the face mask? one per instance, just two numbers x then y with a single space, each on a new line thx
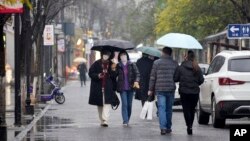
124 58
105 57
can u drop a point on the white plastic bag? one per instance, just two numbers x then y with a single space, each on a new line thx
150 111
144 110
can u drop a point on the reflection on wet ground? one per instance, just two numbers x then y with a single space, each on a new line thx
46 127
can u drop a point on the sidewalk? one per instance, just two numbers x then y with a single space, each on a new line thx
76 120
27 120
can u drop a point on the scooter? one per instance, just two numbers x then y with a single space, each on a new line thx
55 92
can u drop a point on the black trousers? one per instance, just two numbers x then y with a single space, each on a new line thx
189 102
83 79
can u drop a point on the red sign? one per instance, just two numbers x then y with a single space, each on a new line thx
6 7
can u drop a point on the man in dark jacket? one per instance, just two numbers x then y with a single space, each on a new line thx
161 81
102 85
190 77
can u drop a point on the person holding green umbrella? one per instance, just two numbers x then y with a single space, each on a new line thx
144 65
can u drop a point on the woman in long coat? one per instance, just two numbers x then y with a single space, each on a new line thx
144 65
102 88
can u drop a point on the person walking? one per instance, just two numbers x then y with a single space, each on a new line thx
161 81
127 80
190 77
102 87
144 65
82 70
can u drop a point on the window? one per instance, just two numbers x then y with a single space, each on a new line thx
216 64
239 65
219 64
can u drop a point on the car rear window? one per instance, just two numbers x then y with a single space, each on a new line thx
239 65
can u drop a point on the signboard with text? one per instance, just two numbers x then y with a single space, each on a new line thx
238 31
61 45
6 7
48 35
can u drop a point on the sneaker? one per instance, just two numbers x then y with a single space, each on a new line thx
163 131
125 124
168 131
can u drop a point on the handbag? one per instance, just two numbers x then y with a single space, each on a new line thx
115 101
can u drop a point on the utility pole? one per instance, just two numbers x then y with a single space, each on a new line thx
240 47
17 71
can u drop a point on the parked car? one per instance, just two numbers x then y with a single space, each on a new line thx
177 100
225 92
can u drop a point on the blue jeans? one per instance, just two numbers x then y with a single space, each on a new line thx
126 98
165 102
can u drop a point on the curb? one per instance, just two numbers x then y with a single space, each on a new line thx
24 132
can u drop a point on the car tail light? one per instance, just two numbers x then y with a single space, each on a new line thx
228 81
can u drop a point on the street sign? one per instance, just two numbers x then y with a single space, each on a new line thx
238 31
48 35
61 45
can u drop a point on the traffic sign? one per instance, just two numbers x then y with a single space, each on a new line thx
238 31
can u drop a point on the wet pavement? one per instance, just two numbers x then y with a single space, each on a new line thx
9 132
76 120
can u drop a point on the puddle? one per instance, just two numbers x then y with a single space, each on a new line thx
46 127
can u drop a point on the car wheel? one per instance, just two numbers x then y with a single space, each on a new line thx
202 117
217 121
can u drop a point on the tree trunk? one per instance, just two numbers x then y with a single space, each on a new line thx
27 44
2 79
2 53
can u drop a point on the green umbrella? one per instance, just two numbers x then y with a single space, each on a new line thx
150 51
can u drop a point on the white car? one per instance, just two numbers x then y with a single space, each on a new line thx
225 92
177 100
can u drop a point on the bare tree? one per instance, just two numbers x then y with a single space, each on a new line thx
243 9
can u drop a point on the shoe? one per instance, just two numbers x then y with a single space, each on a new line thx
168 131
163 131
189 131
104 125
125 125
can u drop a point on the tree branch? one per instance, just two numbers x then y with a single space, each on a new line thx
4 18
242 10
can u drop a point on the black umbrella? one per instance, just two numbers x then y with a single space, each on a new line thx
113 44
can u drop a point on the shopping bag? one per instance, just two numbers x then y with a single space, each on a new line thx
144 110
150 111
